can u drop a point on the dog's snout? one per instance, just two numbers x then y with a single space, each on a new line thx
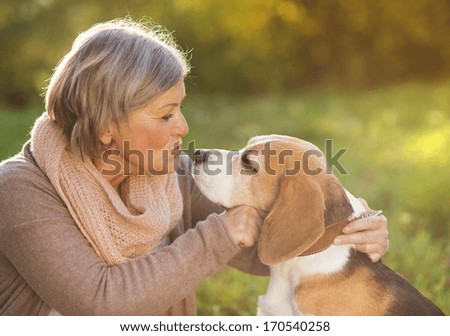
201 155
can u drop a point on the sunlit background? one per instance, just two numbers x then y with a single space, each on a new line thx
373 76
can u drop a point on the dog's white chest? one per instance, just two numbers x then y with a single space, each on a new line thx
279 298
284 278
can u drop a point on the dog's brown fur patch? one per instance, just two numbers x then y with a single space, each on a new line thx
350 292
362 288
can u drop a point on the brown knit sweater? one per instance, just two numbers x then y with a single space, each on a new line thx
46 262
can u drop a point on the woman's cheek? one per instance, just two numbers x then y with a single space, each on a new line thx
157 138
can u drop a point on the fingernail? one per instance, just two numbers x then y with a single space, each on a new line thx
345 229
337 241
374 257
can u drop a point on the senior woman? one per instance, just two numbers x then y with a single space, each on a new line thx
95 217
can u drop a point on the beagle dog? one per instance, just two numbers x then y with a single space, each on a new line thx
307 208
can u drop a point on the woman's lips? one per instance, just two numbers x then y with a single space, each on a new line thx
177 148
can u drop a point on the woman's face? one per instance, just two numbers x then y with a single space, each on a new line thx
150 141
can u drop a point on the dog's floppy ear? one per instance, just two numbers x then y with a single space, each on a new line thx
295 222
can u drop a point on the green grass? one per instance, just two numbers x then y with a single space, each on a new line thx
14 130
397 141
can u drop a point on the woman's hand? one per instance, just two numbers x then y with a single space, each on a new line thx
369 235
244 224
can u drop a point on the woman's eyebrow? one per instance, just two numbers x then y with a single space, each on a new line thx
172 104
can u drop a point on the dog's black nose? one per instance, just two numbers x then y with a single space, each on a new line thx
200 155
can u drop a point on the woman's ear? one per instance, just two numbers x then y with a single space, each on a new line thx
295 222
106 138
107 134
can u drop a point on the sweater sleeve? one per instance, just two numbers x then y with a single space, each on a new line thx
42 241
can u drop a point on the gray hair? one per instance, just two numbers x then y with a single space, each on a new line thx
112 68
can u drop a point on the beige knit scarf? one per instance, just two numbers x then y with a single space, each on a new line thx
117 228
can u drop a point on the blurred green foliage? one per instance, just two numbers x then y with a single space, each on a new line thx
245 46
397 141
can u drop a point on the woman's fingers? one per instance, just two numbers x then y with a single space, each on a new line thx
357 238
369 235
244 224
378 223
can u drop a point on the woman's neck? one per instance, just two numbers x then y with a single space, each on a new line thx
113 178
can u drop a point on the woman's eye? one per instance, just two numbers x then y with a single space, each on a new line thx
167 116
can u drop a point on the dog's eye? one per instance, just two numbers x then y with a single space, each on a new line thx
249 164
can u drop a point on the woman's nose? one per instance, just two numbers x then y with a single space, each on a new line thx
182 127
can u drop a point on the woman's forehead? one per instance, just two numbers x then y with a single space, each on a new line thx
172 96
